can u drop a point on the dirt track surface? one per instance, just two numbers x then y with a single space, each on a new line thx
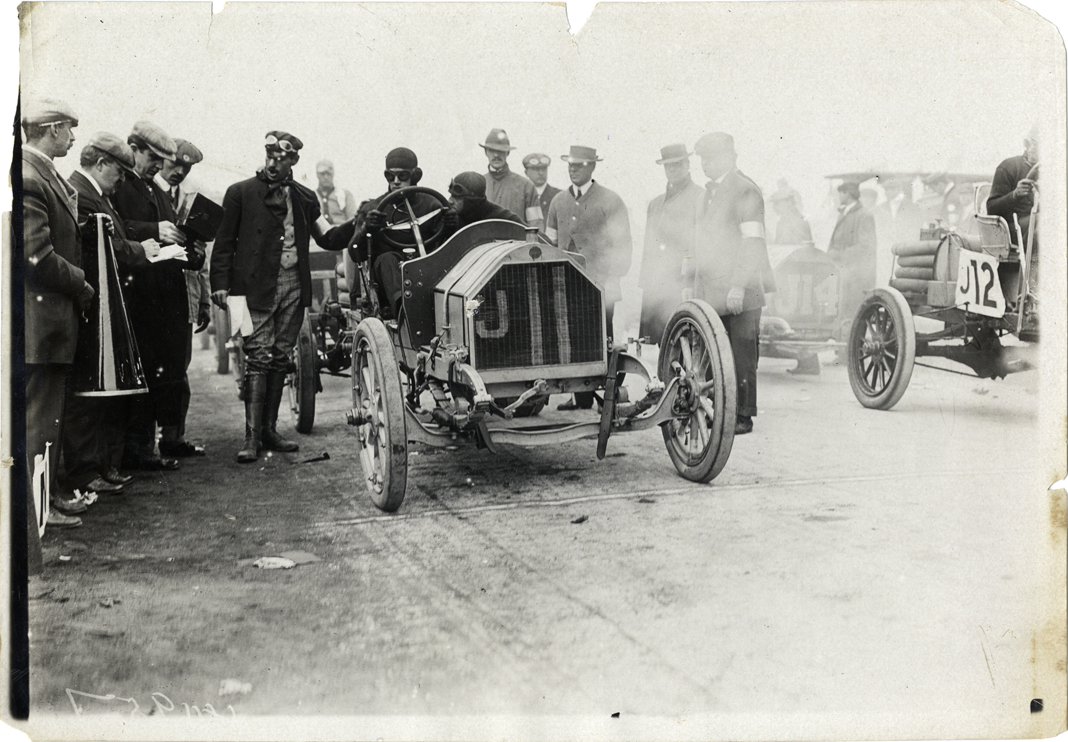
846 562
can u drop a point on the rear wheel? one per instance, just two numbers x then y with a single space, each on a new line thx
302 381
378 403
695 349
882 349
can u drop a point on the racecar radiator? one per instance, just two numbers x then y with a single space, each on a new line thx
528 311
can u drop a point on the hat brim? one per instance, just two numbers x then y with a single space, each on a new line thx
667 160
124 166
165 155
575 160
496 147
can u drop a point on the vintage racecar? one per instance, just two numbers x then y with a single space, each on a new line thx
493 321
975 283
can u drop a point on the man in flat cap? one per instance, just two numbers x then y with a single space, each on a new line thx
402 171
669 236
508 189
733 271
170 180
157 297
536 166
95 430
852 247
55 292
467 197
260 260
589 219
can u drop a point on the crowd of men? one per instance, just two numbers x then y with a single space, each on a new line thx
705 242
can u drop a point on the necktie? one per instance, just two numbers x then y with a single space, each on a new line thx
578 193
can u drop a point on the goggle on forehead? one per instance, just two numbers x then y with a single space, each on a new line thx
538 162
283 144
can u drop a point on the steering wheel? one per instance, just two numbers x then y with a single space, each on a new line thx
432 222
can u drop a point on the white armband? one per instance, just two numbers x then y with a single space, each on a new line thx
752 229
323 225
551 234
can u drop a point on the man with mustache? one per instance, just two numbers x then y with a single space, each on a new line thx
261 256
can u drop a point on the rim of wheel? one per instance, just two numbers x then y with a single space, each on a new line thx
370 434
692 434
876 350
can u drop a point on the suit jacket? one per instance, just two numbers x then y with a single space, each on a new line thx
597 226
248 246
51 246
855 231
516 193
129 254
546 198
670 230
157 294
725 256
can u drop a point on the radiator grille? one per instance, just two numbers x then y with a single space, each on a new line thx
536 314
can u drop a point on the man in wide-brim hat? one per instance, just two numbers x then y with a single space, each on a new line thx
589 219
505 188
669 237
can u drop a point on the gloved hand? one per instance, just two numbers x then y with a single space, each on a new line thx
1024 191
376 220
735 297
450 219
203 318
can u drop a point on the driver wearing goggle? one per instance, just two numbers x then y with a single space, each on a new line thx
402 171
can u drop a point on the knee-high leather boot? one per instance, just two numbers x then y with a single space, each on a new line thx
272 441
255 391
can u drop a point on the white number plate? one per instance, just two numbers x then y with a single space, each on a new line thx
978 286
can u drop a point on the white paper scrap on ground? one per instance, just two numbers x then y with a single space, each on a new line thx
274 563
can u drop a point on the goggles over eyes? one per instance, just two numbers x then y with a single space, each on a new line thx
456 189
283 144
398 175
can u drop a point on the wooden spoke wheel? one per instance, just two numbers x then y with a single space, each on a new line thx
378 404
695 349
881 349
302 381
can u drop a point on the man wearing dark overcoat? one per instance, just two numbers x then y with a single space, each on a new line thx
260 258
170 181
670 228
95 431
589 219
852 247
55 291
157 296
733 271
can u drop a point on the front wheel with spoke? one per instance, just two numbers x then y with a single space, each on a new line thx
695 349
378 403
882 349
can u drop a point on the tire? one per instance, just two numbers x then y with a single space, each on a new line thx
700 443
220 320
302 384
881 349
378 398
